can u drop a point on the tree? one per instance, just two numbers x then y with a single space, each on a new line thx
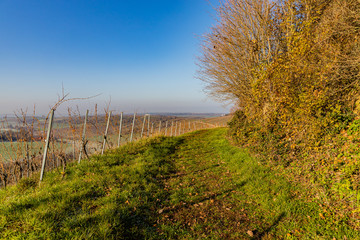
287 64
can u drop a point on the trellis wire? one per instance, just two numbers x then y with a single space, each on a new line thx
85 140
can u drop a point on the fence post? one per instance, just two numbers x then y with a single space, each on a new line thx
176 128
160 127
166 127
179 128
28 160
83 145
106 131
148 125
121 119
143 126
172 128
152 129
132 129
73 148
46 145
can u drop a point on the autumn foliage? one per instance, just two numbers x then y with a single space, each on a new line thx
291 66
292 69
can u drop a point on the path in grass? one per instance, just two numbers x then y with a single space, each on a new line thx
220 192
211 196
195 186
201 202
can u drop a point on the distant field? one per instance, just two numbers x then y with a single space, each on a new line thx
17 150
95 129
10 150
221 121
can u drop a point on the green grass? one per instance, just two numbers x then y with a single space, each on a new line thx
14 150
196 186
17 150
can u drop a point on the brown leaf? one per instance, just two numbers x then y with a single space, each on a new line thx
250 233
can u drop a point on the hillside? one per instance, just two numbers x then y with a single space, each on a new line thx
196 186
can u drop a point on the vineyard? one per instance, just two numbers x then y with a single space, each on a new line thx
24 149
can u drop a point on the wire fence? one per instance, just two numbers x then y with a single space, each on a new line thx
32 144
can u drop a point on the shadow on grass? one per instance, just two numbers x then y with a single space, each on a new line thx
177 175
213 196
260 235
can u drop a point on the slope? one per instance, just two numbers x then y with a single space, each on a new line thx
195 186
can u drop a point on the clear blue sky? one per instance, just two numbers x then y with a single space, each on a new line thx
141 53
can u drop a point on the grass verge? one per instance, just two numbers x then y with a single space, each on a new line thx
196 186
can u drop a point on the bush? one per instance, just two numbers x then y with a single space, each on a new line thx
291 66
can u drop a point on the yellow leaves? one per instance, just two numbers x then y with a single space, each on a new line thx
321 216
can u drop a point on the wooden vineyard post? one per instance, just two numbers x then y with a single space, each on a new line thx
27 160
148 125
189 126
121 120
143 126
176 128
166 127
171 128
73 148
132 128
160 127
83 143
179 128
105 134
46 145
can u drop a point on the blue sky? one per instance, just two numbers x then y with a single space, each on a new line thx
141 54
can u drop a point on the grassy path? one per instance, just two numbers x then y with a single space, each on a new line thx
220 192
195 186
208 198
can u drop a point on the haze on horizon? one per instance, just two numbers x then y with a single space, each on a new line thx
140 54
